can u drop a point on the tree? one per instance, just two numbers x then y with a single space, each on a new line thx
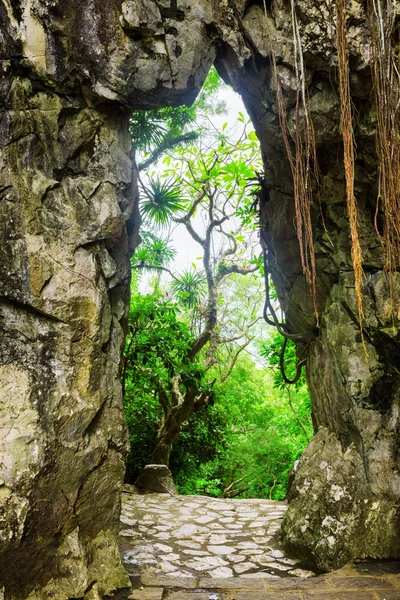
212 182
250 436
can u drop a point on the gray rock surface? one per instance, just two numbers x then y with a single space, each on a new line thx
156 478
70 73
345 497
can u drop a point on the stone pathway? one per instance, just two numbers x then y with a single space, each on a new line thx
200 548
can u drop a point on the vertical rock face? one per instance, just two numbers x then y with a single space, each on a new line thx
345 497
71 71
70 74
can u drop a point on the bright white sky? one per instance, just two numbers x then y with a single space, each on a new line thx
187 249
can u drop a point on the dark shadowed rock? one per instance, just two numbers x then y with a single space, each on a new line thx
156 478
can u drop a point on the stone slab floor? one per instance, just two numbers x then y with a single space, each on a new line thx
200 548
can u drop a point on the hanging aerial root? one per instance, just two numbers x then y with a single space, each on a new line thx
348 150
385 66
302 156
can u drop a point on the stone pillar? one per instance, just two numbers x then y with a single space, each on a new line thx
345 497
71 72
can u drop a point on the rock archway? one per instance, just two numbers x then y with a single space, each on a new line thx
71 72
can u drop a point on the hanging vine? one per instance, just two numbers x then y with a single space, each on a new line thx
348 150
301 147
385 66
301 153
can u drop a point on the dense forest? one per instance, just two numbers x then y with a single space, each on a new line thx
203 385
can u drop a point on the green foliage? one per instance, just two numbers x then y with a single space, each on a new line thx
153 250
259 438
156 350
190 287
148 128
143 413
272 350
163 200
157 343
157 127
245 442
202 440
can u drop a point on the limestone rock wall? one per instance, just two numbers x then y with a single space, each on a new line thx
71 72
345 496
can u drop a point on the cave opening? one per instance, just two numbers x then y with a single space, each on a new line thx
69 79
202 378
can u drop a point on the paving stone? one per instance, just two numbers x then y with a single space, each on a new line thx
204 519
247 545
235 558
221 549
243 567
301 573
362 583
167 567
168 582
186 531
189 544
127 533
169 544
219 505
322 583
192 596
260 575
333 595
267 596
128 520
206 563
230 583
147 594
163 547
221 572
217 539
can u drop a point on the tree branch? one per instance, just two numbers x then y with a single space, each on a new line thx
229 269
167 144
186 222
163 399
177 398
235 357
155 268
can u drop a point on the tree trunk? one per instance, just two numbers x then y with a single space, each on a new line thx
169 430
344 500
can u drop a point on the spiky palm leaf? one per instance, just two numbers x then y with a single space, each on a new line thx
153 250
148 129
190 288
163 200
